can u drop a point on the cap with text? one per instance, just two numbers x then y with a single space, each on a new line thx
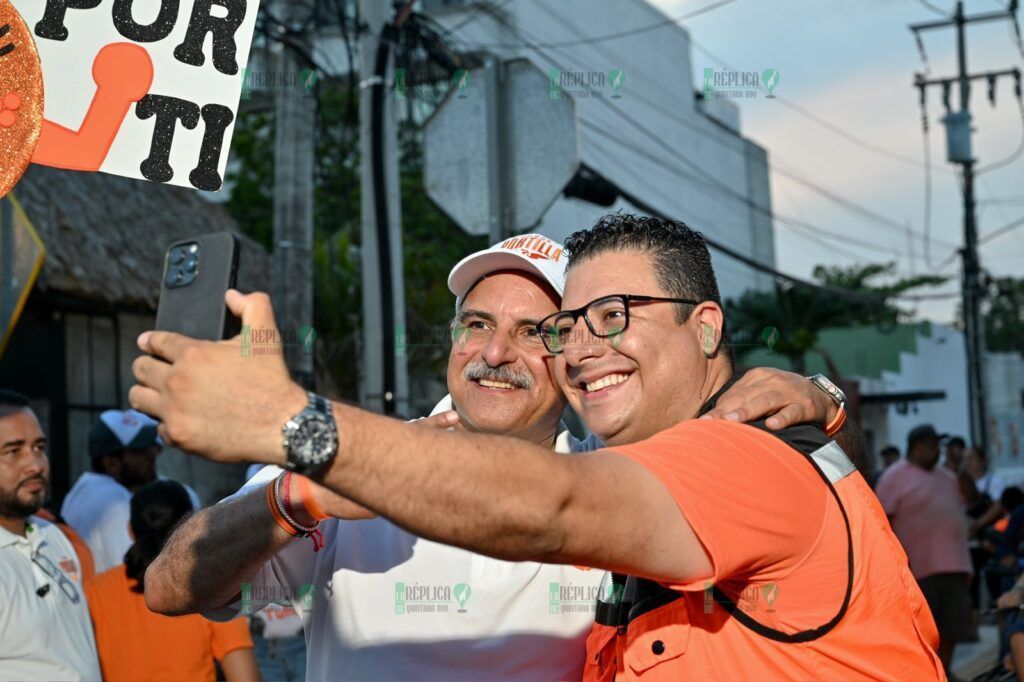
531 253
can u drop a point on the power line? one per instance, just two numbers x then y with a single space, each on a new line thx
706 180
819 120
794 224
481 8
673 115
761 267
609 36
999 231
937 10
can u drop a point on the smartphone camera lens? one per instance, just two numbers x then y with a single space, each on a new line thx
177 256
191 263
174 277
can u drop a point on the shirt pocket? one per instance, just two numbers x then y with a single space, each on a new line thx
600 665
657 637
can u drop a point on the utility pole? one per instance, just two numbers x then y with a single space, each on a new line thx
498 171
384 385
294 149
958 132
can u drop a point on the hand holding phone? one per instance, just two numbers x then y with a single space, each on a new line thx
197 273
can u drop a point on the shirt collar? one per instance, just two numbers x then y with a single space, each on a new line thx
8 538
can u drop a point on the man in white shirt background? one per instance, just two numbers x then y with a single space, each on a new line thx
123 449
381 603
45 629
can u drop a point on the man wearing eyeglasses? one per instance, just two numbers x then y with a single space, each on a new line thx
380 602
45 630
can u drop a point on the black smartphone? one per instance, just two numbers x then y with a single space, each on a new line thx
197 273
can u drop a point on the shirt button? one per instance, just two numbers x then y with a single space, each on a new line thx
658 647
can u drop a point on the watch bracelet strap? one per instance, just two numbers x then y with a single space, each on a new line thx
317 403
833 427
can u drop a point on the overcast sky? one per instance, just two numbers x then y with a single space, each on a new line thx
851 62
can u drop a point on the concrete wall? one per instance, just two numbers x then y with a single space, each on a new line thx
683 161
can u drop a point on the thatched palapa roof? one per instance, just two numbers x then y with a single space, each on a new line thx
105 235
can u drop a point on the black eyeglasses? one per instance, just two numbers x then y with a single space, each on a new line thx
606 317
54 573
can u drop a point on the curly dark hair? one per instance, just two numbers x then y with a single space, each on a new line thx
680 256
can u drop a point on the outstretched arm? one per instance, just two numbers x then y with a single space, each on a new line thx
498 496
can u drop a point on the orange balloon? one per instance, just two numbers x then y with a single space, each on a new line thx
21 96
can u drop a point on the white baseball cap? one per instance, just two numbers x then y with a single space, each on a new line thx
532 253
118 430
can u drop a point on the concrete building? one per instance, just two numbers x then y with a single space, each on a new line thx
644 121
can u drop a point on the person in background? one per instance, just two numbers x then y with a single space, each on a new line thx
1012 599
985 509
45 632
136 644
990 486
954 460
923 504
123 447
888 455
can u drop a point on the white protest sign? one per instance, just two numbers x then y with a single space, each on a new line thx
146 89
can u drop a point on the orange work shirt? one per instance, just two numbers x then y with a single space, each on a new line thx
779 551
136 644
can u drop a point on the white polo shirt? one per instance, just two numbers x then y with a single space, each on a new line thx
46 637
99 509
379 603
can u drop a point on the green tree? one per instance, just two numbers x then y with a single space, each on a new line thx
790 319
432 243
1004 316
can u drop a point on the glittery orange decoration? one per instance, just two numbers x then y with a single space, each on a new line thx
21 96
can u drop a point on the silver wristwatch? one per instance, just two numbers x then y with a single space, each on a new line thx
310 437
830 389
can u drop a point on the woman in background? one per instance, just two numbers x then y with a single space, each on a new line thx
136 644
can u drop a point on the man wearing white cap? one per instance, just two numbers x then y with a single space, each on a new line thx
123 447
377 601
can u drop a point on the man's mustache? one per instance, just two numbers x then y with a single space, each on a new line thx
475 371
30 479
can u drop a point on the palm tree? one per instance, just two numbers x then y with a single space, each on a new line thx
790 318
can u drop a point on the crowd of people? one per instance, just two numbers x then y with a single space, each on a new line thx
72 602
710 521
962 527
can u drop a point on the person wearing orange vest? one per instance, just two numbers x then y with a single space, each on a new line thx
733 551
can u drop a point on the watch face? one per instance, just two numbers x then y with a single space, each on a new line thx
826 385
314 439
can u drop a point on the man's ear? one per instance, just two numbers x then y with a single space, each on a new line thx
710 320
